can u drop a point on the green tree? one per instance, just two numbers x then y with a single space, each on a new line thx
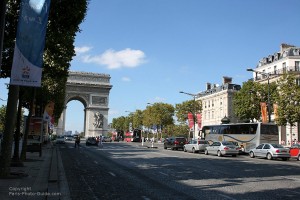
63 23
137 119
2 118
246 102
186 107
160 114
288 101
119 123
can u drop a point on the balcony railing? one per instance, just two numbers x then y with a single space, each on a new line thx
278 72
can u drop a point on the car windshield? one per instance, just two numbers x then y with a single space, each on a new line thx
277 146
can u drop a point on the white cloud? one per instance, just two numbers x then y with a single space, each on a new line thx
81 50
126 79
117 59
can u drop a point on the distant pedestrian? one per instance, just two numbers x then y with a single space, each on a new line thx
295 141
77 141
101 142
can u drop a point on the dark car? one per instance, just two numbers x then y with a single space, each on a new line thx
106 139
174 143
91 141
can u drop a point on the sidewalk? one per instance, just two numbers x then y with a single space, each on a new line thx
40 178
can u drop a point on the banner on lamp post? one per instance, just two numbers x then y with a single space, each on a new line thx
30 43
264 112
191 120
199 120
275 106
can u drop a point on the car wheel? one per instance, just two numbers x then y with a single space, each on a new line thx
172 148
252 154
234 155
184 149
165 147
206 152
269 156
219 154
284 159
193 150
298 157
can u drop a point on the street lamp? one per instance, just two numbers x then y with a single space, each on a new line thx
194 114
268 77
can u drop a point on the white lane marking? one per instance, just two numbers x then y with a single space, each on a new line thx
163 173
146 198
95 162
227 197
112 174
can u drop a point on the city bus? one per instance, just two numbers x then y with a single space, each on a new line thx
245 135
134 136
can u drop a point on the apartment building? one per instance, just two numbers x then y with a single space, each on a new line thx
270 68
217 102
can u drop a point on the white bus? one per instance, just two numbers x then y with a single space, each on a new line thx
246 135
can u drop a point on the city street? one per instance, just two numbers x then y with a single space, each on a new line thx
132 171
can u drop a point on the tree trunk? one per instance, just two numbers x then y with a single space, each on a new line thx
10 122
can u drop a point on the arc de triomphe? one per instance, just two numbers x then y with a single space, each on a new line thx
92 90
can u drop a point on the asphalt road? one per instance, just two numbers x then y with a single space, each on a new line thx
130 171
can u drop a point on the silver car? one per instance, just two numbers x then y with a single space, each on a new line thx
270 151
222 148
195 146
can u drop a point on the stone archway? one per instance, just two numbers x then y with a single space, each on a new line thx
92 90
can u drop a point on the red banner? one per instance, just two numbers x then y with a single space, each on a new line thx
191 120
199 120
264 112
275 106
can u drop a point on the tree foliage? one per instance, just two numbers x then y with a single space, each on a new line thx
185 107
2 118
63 24
246 102
288 101
160 114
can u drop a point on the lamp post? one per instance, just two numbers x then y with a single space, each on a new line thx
268 77
194 114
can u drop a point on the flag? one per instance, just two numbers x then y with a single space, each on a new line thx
199 120
264 112
30 43
191 120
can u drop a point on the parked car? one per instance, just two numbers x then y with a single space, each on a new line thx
60 139
68 138
295 151
174 143
270 151
195 146
91 141
222 148
106 139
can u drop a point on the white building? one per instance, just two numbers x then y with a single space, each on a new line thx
286 60
217 102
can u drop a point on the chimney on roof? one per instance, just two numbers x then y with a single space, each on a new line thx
284 46
208 86
227 79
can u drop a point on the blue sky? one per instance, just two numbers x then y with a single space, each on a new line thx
152 49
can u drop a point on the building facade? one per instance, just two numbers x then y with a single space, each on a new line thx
217 102
270 69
